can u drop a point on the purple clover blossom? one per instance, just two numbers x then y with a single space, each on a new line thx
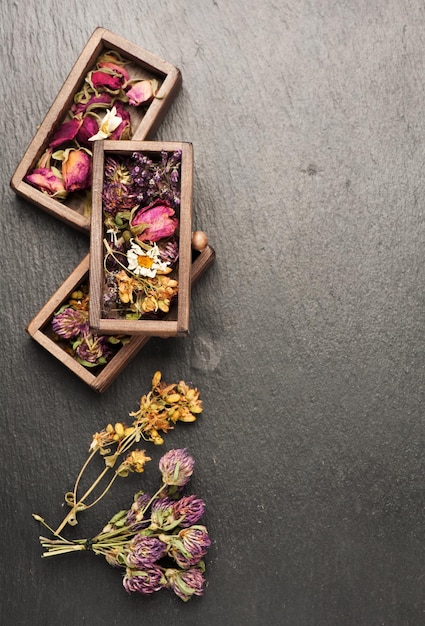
136 517
187 583
117 194
162 513
169 252
69 322
144 581
190 508
190 546
93 348
145 551
176 467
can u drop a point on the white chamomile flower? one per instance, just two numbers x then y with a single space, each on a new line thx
109 123
145 262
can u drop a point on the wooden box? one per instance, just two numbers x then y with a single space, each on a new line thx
98 378
124 318
145 119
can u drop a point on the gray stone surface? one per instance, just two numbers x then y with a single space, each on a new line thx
307 342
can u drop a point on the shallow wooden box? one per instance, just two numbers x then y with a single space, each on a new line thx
100 378
144 123
176 322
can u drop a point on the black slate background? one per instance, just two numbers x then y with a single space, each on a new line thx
307 341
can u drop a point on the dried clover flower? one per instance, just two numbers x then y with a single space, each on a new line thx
159 410
176 467
70 324
152 546
186 583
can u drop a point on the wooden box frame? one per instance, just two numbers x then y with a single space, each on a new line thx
147 65
38 327
176 321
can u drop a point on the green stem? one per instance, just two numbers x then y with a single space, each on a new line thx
76 506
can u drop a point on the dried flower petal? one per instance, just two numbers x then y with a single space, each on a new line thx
65 132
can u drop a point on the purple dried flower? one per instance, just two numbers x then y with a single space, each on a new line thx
93 349
162 513
145 551
136 517
69 322
144 581
156 180
190 545
117 193
169 252
176 467
187 583
190 508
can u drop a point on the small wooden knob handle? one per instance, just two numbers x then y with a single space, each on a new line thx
199 240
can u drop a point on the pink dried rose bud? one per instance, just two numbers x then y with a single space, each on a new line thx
48 181
118 69
142 92
88 128
101 101
65 132
123 130
153 222
76 170
104 80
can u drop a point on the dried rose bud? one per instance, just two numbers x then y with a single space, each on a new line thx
47 180
142 92
76 170
153 222
82 105
115 67
101 80
88 128
66 132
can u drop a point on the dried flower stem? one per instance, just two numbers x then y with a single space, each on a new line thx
160 409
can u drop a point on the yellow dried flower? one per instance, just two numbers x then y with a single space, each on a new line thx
156 379
136 460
